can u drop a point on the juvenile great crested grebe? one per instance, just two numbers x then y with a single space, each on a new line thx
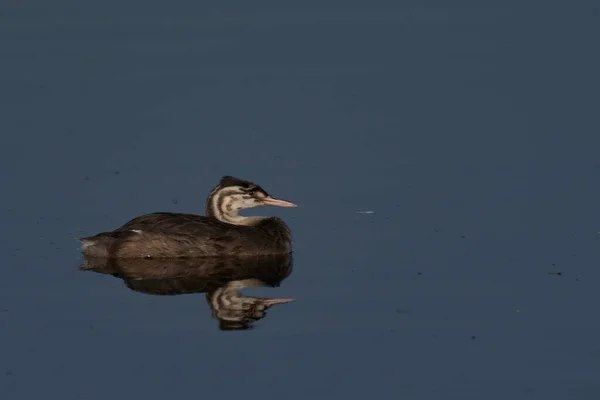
222 232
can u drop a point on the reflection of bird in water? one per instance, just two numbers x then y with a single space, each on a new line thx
221 279
221 232
233 310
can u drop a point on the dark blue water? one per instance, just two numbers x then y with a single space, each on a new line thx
470 131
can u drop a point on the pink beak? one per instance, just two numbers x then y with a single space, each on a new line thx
270 302
273 201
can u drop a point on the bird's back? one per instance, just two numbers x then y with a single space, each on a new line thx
166 235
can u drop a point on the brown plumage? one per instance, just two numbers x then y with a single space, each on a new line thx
222 232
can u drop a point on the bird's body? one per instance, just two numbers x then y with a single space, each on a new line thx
222 232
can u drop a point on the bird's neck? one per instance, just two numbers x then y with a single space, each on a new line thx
237 219
216 207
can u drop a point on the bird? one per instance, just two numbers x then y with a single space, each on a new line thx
221 232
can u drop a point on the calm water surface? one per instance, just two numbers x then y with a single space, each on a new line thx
468 131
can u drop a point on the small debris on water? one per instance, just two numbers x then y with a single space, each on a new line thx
365 212
555 273
473 337
175 201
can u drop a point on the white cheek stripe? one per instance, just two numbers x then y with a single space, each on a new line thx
231 197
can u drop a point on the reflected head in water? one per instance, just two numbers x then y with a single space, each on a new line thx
221 279
221 232
235 311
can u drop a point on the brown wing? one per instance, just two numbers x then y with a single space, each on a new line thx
190 235
179 224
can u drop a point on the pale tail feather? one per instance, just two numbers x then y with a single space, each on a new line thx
93 247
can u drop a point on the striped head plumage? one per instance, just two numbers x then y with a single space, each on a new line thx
233 195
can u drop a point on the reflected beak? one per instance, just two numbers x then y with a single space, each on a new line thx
274 201
270 302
